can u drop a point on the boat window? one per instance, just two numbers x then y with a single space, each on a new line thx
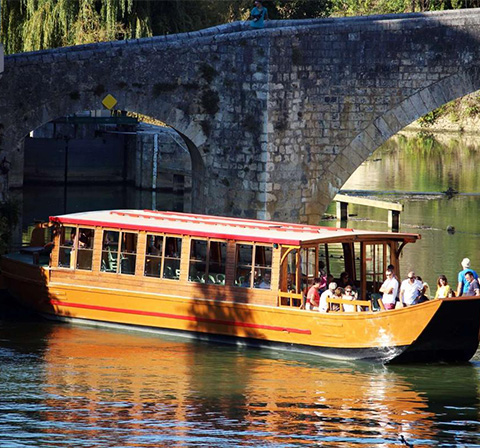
207 261
308 267
153 258
289 284
173 251
85 248
333 253
258 274
377 257
198 261
217 260
163 256
110 251
358 261
243 272
289 294
263 265
128 254
66 256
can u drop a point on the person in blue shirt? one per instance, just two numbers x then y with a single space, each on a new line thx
463 284
258 15
473 286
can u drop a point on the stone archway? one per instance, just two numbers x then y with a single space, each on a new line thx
393 121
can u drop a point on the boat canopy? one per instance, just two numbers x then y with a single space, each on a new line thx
224 227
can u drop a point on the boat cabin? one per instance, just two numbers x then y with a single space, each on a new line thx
207 257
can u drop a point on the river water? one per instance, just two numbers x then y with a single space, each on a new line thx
62 385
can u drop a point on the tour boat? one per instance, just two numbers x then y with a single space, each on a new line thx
237 281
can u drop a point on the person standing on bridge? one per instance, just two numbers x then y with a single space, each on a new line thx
258 15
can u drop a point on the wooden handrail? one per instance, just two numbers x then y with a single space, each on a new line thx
291 296
366 303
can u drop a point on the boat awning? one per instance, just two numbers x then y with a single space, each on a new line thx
224 227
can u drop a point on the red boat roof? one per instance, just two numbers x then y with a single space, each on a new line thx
222 227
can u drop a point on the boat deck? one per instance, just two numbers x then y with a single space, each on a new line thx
27 256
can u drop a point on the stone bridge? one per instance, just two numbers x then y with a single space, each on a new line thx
275 120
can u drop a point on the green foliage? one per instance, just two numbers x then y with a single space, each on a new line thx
28 25
368 7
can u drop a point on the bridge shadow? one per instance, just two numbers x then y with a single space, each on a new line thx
225 316
27 295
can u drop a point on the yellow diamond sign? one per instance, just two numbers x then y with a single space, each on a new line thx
109 101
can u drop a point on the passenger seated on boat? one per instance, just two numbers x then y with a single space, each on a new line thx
290 283
330 292
266 281
313 296
425 292
338 294
344 280
155 248
473 286
170 252
349 294
109 241
83 240
389 289
323 276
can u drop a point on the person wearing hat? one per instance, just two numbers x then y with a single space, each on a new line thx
330 292
463 284
258 15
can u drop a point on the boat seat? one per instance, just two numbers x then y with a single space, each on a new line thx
167 272
220 279
210 279
111 263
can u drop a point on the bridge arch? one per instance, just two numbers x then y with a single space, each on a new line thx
173 117
280 117
394 120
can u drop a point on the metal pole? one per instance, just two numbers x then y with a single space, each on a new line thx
154 171
65 177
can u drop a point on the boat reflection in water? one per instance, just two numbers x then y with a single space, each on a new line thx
141 390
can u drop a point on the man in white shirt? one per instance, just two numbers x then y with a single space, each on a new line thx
411 290
389 289
330 292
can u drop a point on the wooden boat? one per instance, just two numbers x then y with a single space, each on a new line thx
207 277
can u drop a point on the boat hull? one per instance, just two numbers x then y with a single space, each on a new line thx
436 331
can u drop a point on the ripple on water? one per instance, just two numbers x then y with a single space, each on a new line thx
97 388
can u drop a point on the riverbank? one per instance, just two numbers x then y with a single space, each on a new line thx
458 116
444 125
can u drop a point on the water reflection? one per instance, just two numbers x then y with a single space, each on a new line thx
97 387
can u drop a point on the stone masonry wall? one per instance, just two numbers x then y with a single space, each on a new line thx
275 120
